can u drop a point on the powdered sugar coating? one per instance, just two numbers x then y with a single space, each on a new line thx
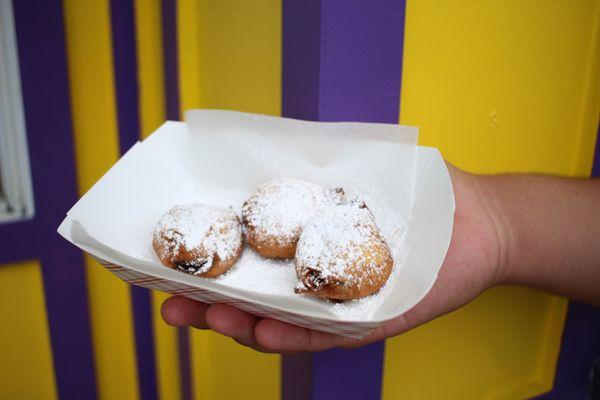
265 276
277 210
342 246
191 236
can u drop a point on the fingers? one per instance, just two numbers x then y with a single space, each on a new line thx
267 335
232 322
235 323
181 311
282 337
224 319
221 318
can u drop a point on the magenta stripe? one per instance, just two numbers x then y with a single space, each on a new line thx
42 59
342 61
172 108
127 96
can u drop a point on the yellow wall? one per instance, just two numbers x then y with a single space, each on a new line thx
90 63
504 85
96 143
497 86
250 72
148 22
26 370
230 55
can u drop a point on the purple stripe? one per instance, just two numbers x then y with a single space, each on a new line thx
580 347
141 301
301 39
185 363
42 57
596 166
127 93
580 342
296 376
14 248
358 59
349 374
170 59
361 60
172 108
125 70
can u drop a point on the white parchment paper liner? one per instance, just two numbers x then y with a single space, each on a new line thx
220 157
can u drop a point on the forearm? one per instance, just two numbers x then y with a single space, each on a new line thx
549 230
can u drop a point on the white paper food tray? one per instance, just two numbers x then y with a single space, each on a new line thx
221 157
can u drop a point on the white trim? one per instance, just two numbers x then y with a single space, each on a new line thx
14 155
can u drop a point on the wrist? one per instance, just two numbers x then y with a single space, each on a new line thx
492 191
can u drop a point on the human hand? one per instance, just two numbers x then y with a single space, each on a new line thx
472 265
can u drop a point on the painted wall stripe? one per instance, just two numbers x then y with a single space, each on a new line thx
172 104
127 99
342 61
361 60
148 25
42 56
296 376
171 59
300 52
185 363
358 373
125 70
596 167
14 248
144 342
580 347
